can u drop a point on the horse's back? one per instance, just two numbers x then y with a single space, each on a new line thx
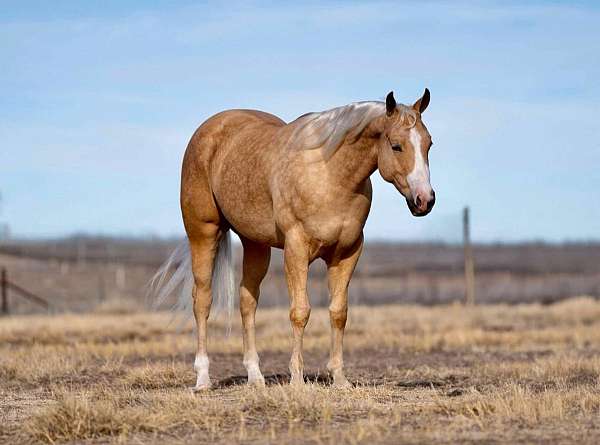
231 122
260 116
220 131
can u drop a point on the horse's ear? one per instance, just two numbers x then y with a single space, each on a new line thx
390 103
423 102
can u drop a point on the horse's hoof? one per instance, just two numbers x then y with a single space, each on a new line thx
342 383
257 381
201 388
297 382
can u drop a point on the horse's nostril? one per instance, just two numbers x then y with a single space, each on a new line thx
418 201
431 203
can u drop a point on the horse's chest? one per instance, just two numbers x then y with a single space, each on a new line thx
328 217
341 230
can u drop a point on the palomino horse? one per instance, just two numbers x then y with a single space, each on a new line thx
303 187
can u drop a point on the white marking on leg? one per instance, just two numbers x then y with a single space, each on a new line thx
253 368
201 366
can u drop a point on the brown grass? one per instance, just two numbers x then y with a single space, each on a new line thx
443 374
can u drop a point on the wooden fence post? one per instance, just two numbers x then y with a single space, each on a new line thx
469 265
101 287
4 291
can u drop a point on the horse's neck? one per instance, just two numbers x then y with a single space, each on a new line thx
354 163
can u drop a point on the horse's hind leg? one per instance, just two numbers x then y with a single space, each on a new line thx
255 265
203 248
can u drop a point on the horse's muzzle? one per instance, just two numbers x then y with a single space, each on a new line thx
420 206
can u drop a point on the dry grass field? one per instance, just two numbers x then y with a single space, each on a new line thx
443 374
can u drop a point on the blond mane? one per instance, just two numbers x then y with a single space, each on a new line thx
328 130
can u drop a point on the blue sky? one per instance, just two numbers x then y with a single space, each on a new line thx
99 99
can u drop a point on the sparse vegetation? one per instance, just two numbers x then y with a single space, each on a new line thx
526 373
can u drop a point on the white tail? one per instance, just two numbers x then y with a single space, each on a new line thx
223 285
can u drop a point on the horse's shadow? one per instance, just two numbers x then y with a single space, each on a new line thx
320 378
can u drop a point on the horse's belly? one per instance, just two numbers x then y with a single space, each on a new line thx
254 222
247 207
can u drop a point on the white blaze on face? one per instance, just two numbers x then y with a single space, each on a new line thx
418 178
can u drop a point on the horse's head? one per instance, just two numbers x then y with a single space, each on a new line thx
403 156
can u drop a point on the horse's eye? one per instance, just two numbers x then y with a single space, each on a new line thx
395 146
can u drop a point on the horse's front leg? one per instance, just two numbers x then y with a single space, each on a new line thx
296 271
339 271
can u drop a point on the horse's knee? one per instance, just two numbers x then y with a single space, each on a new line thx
248 302
338 316
299 315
